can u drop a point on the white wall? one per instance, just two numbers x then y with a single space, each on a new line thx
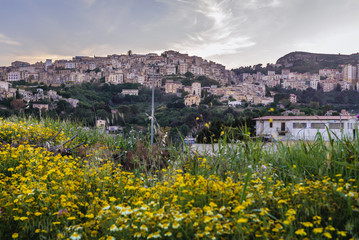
308 133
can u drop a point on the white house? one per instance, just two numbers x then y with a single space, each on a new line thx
306 127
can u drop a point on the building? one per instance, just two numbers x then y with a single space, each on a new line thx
234 103
101 124
18 64
114 77
41 106
192 100
13 76
182 68
305 127
196 89
73 102
171 70
293 98
172 86
350 73
48 63
132 92
70 65
4 85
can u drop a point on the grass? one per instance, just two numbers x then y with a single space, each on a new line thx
119 187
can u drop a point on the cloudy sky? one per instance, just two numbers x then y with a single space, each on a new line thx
232 32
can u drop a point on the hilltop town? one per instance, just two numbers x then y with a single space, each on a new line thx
141 69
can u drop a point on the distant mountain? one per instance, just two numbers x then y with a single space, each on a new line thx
312 62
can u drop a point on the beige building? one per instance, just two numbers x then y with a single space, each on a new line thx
41 106
191 100
183 68
350 73
172 87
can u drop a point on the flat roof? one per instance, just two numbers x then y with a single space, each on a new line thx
290 118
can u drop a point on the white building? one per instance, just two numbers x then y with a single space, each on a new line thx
305 127
115 77
4 85
196 70
196 88
13 76
70 65
132 92
171 70
234 103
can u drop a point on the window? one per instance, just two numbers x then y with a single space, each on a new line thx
270 124
299 125
336 125
317 125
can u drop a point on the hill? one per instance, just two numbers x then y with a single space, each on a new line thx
312 62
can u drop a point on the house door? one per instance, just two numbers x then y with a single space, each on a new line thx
282 129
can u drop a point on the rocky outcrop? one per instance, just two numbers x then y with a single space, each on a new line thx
317 59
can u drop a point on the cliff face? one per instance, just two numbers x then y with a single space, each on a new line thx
317 59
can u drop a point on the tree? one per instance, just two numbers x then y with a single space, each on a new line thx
338 88
189 75
129 53
17 104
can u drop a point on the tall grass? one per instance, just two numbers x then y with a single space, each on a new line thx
248 189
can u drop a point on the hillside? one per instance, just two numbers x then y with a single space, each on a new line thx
315 61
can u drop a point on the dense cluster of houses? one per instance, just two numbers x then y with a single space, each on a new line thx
327 79
142 69
132 68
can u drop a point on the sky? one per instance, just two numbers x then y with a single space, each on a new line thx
231 32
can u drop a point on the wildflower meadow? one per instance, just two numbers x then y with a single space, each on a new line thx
121 187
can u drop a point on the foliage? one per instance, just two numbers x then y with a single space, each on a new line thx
241 191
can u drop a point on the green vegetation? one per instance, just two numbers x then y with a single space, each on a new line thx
121 187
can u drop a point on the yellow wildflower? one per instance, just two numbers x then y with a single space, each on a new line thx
301 232
327 235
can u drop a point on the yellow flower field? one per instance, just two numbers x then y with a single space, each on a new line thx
50 196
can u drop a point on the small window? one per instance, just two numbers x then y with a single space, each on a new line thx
317 125
299 125
270 124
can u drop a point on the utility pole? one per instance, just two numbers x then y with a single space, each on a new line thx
153 101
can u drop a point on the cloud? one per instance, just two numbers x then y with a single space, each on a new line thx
89 3
257 4
6 40
220 29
